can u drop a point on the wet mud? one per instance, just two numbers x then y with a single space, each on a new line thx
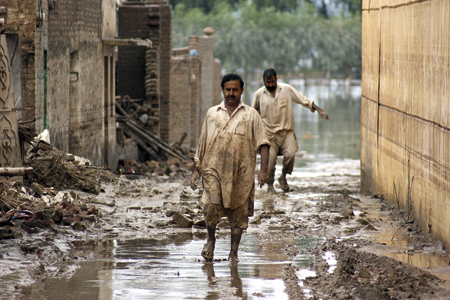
322 240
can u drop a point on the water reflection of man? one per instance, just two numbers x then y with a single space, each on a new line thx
231 136
274 103
236 282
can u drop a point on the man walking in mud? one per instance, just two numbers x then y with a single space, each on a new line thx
231 136
274 103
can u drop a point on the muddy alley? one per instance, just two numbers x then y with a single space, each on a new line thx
322 240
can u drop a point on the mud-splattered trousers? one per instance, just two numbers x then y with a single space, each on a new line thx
226 160
278 118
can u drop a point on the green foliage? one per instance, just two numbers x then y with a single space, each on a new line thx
205 5
279 5
296 39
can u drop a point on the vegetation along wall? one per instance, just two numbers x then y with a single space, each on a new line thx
405 124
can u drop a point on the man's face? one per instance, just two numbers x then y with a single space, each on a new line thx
270 83
232 92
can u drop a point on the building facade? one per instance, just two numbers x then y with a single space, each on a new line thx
67 83
179 85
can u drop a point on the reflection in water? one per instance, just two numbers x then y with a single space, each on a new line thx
216 291
236 281
170 269
208 269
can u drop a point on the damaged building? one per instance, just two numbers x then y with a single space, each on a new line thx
177 86
72 60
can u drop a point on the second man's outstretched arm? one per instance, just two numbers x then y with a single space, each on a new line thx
321 112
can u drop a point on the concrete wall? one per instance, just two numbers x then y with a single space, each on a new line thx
405 129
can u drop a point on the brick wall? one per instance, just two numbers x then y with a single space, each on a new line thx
205 52
165 55
75 104
217 89
63 72
183 113
133 23
179 107
136 74
195 101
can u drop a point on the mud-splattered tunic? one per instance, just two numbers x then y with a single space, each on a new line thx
226 154
277 113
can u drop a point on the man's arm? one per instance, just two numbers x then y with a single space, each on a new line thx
194 178
263 174
320 111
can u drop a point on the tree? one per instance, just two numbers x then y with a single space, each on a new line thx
205 5
249 38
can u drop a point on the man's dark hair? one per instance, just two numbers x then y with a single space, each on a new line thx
230 77
268 73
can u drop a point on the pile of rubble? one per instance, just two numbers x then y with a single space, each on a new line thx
38 200
44 194
61 170
136 122
37 208
173 167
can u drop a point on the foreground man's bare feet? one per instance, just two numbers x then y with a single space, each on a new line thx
208 251
236 234
208 248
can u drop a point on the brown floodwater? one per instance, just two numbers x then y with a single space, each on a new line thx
150 269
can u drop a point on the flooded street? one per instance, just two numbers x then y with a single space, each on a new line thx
139 259
322 240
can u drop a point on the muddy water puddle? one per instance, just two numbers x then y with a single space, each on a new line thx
403 247
150 269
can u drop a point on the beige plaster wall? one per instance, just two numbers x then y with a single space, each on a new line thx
405 129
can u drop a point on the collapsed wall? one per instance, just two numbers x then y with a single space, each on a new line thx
145 73
405 129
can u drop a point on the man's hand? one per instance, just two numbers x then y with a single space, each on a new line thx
320 111
263 176
194 180
323 115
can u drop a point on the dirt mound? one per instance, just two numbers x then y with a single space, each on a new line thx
363 275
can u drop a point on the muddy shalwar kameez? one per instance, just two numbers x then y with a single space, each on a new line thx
226 157
277 116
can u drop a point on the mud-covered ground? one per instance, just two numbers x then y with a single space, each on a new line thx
349 263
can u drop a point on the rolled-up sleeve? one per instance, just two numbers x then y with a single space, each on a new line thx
260 133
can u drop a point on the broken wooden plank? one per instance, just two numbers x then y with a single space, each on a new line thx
16 171
143 133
